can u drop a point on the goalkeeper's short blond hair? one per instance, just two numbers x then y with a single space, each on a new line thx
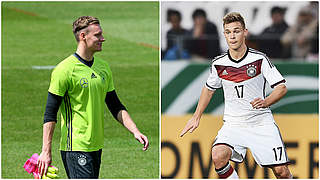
82 23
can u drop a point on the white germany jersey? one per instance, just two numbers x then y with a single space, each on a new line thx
242 82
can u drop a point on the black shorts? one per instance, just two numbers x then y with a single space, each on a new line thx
82 165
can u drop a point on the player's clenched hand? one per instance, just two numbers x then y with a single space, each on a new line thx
44 161
142 139
192 124
258 103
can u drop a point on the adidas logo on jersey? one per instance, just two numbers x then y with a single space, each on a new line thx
93 76
225 72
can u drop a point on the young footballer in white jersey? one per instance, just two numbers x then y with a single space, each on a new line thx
248 122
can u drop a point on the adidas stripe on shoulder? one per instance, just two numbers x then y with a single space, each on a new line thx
262 54
217 58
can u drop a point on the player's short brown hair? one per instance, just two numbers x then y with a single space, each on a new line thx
82 23
233 17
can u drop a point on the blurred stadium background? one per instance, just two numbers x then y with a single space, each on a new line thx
182 78
38 35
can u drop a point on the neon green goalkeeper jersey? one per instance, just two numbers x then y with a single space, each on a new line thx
83 89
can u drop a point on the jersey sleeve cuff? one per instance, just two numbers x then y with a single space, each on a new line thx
210 87
56 93
275 84
109 90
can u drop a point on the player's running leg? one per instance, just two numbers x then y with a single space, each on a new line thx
281 171
221 155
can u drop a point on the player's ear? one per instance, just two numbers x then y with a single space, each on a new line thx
82 36
246 32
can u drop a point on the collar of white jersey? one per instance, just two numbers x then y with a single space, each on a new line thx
238 61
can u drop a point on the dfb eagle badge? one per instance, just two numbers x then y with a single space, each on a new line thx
251 70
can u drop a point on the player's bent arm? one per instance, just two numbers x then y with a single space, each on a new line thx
125 119
203 102
278 92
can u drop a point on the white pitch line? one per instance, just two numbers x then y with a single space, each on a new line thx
43 67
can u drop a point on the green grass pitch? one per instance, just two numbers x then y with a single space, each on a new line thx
40 34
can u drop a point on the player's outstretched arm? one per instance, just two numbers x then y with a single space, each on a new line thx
203 102
45 157
125 119
278 92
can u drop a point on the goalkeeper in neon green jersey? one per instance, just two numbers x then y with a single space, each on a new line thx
80 86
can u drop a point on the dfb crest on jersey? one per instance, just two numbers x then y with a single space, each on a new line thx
251 70
84 82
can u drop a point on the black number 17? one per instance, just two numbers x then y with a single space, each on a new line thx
275 153
239 90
